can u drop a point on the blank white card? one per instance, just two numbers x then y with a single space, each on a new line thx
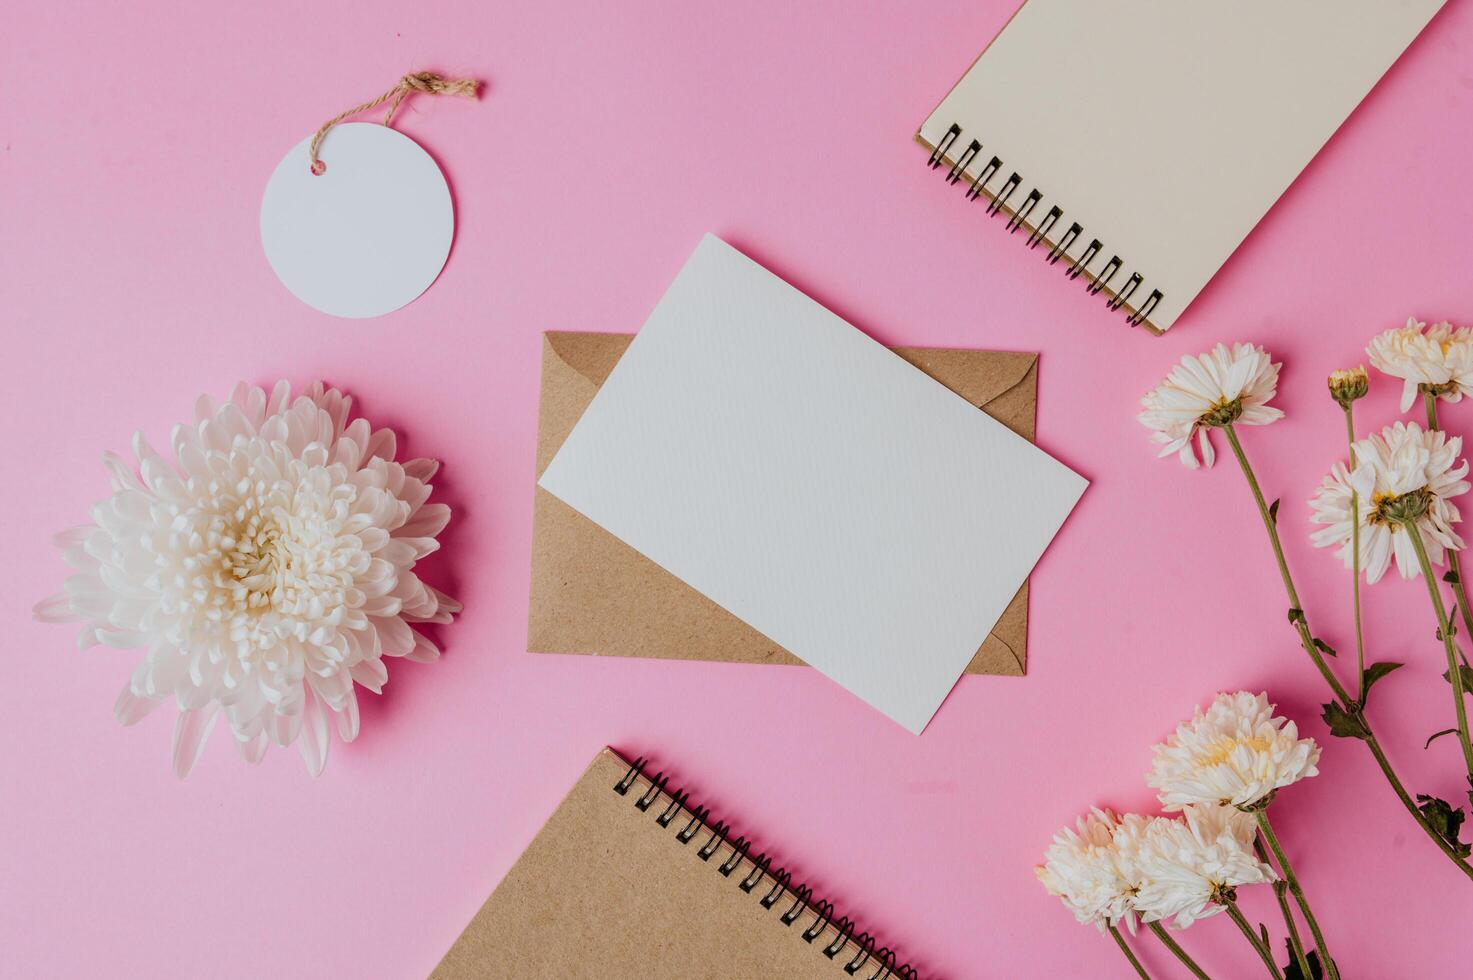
812 483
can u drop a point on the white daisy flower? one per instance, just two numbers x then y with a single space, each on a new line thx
1437 359
1402 471
265 570
1224 386
1237 753
1082 868
1191 868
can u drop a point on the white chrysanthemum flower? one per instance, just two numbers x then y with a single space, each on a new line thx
1214 389
1403 471
1191 868
1439 359
266 570
1082 868
1236 753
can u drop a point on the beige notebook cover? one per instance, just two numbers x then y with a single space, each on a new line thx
594 594
1136 143
629 878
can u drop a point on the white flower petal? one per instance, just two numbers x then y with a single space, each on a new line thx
1205 444
191 730
347 718
55 609
313 741
130 709
253 748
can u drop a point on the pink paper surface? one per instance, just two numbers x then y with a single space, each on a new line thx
136 146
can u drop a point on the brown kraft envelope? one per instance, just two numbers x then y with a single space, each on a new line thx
593 594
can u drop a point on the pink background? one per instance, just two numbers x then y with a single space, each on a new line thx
136 146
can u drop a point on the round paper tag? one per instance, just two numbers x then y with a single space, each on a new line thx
368 234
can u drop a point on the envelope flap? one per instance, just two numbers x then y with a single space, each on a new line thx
978 379
574 365
592 355
1002 383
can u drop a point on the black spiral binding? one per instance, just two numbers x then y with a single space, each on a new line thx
797 897
1019 215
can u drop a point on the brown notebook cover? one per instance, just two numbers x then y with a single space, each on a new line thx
592 593
629 878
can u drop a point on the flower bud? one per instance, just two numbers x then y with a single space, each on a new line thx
1347 386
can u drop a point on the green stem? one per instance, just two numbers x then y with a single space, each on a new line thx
1265 828
1411 806
1306 639
1120 941
1264 954
1178 952
1360 643
1455 673
1454 563
1300 623
1281 888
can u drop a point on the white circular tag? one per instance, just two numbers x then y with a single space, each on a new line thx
367 235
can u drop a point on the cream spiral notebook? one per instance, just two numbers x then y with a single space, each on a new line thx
1140 141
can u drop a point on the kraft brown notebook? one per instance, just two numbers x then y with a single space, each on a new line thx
631 878
594 594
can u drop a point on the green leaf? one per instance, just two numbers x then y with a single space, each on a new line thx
1466 672
1450 576
1374 673
1291 969
1296 616
1445 820
1273 511
1324 647
1436 735
1342 723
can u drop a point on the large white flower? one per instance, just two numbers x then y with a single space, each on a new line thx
1437 359
265 570
1217 388
1191 868
1236 753
1082 868
1403 470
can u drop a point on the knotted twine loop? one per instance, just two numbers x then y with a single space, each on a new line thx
420 81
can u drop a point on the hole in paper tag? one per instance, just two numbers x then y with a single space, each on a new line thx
366 235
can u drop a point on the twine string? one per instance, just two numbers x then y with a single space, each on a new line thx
421 81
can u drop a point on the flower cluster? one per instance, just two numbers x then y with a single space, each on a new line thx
1219 770
1112 869
1392 501
266 570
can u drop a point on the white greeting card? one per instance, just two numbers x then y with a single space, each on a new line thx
812 483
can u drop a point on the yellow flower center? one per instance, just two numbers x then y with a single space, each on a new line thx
1223 749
